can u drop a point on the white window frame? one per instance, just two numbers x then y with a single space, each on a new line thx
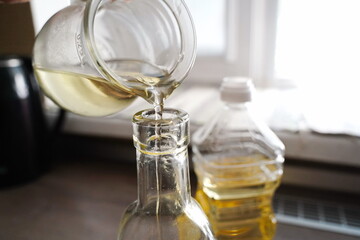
250 51
250 45
234 61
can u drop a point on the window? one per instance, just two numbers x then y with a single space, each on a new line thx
304 54
318 42
318 51
311 45
223 31
210 26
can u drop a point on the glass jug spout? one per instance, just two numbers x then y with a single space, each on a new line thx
103 53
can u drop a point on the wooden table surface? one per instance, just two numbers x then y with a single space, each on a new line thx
84 200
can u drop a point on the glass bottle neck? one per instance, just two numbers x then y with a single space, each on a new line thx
162 158
163 178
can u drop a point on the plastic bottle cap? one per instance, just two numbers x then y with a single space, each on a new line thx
236 89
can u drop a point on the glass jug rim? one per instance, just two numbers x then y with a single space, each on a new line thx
91 9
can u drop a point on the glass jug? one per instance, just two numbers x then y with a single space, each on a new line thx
93 57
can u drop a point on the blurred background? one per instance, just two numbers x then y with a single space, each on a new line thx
304 59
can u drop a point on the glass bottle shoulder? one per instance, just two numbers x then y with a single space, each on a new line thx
187 222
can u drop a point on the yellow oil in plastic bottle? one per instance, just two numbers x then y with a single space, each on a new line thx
239 164
237 205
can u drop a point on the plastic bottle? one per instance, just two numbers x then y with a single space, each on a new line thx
239 163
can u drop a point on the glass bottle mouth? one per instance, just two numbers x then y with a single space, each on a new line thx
180 30
170 117
169 135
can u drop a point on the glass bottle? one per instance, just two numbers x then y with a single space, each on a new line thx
164 209
239 163
94 56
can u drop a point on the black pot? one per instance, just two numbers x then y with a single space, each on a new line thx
23 130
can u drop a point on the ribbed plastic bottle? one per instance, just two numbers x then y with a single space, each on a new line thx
238 160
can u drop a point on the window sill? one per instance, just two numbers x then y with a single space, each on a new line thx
300 142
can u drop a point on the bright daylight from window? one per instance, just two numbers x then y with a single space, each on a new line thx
317 51
318 48
210 30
